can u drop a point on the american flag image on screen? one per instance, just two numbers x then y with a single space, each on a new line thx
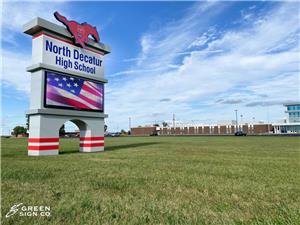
72 92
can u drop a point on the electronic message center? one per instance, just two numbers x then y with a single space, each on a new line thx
70 92
67 84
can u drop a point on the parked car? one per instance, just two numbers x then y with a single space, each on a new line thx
240 133
111 134
116 134
153 134
107 134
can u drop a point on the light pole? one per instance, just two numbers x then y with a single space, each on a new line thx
241 122
268 118
174 124
129 124
236 120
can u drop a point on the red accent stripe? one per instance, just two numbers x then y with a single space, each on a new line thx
92 145
90 90
48 147
35 140
92 138
38 35
63 40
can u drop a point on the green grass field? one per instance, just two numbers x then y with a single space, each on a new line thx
157 180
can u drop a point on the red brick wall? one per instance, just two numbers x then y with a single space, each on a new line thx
142 131
245 128
216 130
232 129
262 128
164 131
222 129
200 130
206 130
251 131
192 130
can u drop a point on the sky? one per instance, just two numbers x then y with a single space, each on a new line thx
197 60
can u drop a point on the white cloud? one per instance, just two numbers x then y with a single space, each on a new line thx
15 59
16 14
204 38
160 47
14 70
241 67
238 64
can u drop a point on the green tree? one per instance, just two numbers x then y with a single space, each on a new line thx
19 130
165 124
27 122
62 130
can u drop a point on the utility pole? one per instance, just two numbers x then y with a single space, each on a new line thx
174 123
129 124
268 118
236 120
241 122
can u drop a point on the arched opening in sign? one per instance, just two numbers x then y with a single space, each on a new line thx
69 136
77 135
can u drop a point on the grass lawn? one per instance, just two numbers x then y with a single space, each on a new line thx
157 180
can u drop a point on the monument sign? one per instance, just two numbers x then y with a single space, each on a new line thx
67 84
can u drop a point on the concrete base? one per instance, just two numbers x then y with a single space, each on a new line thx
44 133
91 144
98 149
41 153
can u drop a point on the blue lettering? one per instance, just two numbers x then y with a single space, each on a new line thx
76 65
48 46
62 62
84 68
76 54
65 51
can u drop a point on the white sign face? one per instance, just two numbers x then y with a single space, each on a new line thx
65 55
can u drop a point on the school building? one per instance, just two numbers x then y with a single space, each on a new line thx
289 126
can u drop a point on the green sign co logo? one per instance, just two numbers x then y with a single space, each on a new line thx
28 210
13 210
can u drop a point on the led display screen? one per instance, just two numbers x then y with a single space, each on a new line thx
70 92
